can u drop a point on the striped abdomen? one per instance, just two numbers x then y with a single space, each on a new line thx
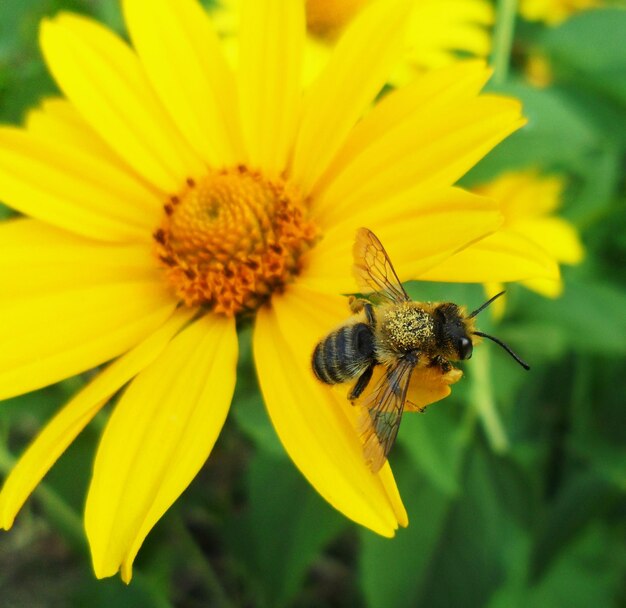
345 354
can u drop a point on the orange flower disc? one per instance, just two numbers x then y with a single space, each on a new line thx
327 18
232 239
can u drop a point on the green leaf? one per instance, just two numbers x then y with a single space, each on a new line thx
142 593
578 503
435 443
540 341
393 571
285 528
552 120
248 409
591 312
484 525
589 48
589 573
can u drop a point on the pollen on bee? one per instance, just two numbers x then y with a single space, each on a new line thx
408 326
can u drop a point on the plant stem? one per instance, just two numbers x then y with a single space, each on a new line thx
503 39
484 402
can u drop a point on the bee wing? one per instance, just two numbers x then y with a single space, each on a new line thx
382 413
373 269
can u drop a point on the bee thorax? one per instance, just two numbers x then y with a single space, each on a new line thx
407 328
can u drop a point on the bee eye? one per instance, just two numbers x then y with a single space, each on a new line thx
464 347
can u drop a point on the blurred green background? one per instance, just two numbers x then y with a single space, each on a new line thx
515 486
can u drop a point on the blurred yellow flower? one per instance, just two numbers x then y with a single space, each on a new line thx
554 12
538 70
168 195
437 32
529 202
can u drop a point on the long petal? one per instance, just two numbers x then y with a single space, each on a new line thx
355 74
52 335
429 93
315 424
429 149
272 37
549 289
36 258
59 433
105 81
57 120
525 194
417 232
180 52
73 188
157 439
501 257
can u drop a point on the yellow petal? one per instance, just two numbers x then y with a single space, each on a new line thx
57 435
417 232
181 55
556 235
549 289
316 426
430 149
354 75
68 187
272 37
438 27
157 439
429 93
427 386
36 258
524 194
49 336
104 80
503 256
57 120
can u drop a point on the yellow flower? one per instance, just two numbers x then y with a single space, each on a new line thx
529 201
167 195
554 12
436 31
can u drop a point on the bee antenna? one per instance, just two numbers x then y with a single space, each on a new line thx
502 344
481 308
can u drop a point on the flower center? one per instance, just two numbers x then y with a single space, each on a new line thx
232 239
327 18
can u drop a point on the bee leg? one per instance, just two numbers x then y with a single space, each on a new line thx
369 313
361 383
443 364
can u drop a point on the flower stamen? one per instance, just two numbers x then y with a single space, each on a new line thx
232 239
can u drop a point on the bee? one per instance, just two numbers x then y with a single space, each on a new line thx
390 330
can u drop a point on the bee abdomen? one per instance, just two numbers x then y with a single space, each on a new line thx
344 354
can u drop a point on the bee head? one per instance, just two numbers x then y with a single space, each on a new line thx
452 332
